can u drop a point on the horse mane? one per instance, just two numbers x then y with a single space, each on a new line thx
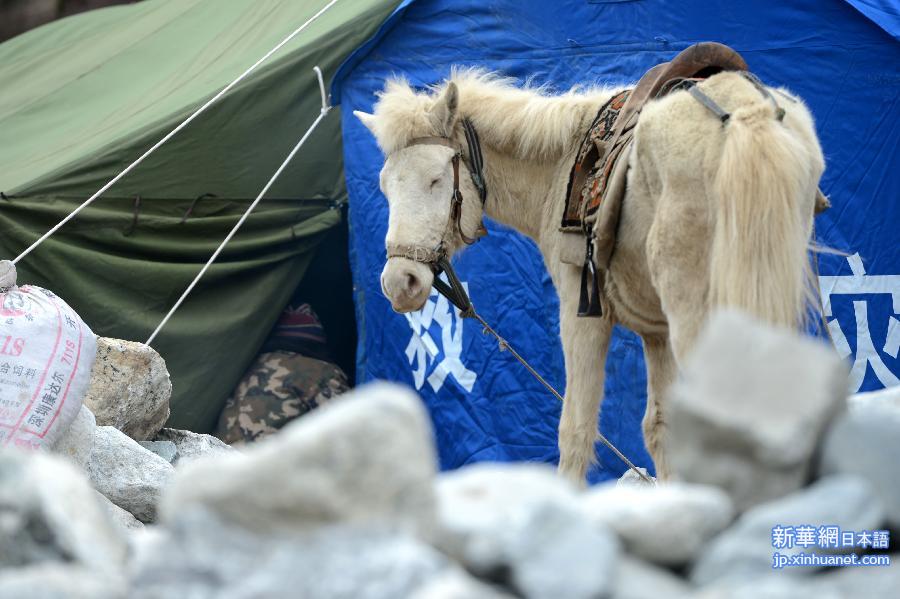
526 122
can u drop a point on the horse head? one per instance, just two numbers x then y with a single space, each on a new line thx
432 180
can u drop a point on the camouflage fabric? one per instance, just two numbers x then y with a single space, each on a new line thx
277 388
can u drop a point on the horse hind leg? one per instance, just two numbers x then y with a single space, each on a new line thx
661 371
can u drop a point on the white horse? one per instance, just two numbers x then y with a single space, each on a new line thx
715 215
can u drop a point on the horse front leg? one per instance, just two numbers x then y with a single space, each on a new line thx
585 342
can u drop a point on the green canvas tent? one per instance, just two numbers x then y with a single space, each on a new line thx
85 96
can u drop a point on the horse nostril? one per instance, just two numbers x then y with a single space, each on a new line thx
413 285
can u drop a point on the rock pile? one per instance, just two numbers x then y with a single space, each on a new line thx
118 439
346 502
130 388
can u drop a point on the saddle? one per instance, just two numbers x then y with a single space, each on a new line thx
597 181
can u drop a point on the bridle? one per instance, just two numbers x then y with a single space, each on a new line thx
436 258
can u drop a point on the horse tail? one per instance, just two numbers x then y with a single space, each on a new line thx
759 259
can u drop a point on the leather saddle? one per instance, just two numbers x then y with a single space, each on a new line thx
597 182
613 129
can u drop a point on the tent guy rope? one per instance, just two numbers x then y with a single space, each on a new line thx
174 131
324 111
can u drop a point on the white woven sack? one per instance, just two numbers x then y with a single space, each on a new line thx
46 356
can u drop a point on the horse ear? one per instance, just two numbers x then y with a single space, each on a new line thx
444 111
366 119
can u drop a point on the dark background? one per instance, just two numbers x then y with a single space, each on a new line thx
17 16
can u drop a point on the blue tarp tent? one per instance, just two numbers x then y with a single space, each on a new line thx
842 56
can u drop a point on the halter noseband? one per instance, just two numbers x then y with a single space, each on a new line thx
435 256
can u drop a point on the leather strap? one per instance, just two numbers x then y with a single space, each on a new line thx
476 170
476 160
706 101
416 253
434 140
454 292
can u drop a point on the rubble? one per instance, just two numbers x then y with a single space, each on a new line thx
866 441
745 550
49 513
76 442
167 450
123 518
57 580
126 473
366 459
347 501
130 388
750 408
190 446
667 525
520 524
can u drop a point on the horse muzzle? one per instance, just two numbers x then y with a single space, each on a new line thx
406 283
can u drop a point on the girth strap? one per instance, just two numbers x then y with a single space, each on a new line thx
589 298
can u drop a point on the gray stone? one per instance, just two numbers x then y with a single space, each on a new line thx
51 580
632 479
866 441
521 524
75 443
751 407
367 458
190 446
202 556
455 584
772 587
130 388
49 513
669 524
639 580
164 449
744 551
885 402
126 473
121 517
868 581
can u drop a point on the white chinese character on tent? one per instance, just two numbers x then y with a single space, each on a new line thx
859 283
423 352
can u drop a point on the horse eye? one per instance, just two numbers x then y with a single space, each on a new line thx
435 182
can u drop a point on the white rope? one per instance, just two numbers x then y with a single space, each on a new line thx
173 132
324 111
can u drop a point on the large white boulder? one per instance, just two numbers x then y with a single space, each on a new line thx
521 524
750 408
130 388
745 550
49 513
669 524
635 579
76 442
203 556
123 518
368 457
56 580
127 474
866 441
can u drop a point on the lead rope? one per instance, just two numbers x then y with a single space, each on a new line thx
456 294
172 133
